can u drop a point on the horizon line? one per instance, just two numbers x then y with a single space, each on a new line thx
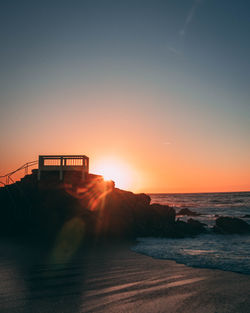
200 192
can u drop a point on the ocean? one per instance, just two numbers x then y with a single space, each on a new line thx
210 250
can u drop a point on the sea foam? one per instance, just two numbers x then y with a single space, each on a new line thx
225 252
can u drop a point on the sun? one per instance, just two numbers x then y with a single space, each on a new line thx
116 170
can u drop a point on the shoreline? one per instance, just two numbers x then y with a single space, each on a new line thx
202 252
112 278
160 285
191 266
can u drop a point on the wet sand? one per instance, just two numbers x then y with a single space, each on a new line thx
112 278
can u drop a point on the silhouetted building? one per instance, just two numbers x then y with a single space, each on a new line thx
63 164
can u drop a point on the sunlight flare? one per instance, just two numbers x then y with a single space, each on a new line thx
116 170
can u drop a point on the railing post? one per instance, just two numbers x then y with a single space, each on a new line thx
26 168
61 169
40 165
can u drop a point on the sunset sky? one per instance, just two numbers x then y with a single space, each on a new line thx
159 87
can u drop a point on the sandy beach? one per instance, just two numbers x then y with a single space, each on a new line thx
112 278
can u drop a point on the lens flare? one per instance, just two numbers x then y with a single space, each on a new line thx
68 240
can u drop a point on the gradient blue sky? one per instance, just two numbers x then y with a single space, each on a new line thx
166 82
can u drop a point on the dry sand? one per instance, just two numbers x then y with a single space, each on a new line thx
114 279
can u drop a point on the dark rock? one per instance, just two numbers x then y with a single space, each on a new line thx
165 212
193 228
143 199
103 211
231 225
196 225
246 216
193 222
187 212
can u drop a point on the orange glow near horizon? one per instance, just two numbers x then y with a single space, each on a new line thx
150 173
141 152
116 170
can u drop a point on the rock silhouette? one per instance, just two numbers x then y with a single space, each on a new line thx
231 225
42 210
187 212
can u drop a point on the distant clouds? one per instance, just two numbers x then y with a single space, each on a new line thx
182 32
167 143
174 51
189 18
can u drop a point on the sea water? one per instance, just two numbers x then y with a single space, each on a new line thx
210 250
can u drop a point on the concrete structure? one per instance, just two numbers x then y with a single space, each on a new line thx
62 164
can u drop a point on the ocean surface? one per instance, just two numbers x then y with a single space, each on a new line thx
225 252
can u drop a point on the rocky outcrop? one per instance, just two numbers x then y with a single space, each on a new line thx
187 212
231 225
196 223
129 215
189 229
28 208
